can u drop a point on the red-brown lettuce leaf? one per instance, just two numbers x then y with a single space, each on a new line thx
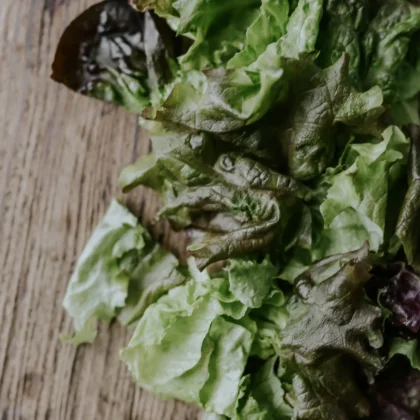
113 53
332 339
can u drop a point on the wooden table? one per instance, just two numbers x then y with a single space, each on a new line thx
60 155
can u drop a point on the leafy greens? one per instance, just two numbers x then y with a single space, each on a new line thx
285 138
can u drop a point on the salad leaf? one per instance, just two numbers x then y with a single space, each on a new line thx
408 222
308 151
408 348
273 149
302 29
268 391
406 109
401 296
255 75
407 79
357 200
396 288
332 329
317 107
406 112
153 277
114 263
221 100
184 343
353 202
396 394
254 221
217 29
268 27
237 202
263 395
115 54
319 102
271 319
238 33
251 282
341 32
386 43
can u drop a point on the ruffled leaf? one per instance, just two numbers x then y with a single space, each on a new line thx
117 269
115 54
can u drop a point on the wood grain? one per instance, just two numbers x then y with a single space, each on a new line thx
60 155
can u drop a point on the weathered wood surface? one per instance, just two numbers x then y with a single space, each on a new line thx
60 155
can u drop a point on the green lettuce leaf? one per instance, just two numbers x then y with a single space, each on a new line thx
408 348
185 342
177 326
408 76
386 43
356 204
237 33
320 101
333 332
302 29
217 29
243 193
251 282
268 27
229 95
268 391
117 267
309 125
342 32
261 396
157 273
358 200
221 100
406 112
406 109
271 318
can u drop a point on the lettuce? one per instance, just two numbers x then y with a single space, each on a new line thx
341 32
332 332
268 27
238 33
119 259
386 43
239 203
185 342
316 108
302 29
112 53
261 396
396 393
280 148
358 200
407 227
396 288
312 341
214 27
201 172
